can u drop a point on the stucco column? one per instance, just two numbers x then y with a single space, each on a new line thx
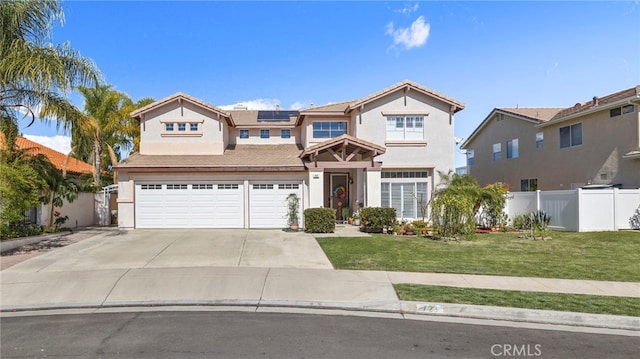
126 191
316 188
373 190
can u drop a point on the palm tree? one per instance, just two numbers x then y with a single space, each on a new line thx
107 130
35 75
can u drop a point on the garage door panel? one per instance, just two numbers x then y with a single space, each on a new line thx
267 203
180 205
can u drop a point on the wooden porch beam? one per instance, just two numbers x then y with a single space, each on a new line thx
335 155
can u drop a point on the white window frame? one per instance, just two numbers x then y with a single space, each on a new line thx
540 140
497 151
405 128
513 149
331 131
572 129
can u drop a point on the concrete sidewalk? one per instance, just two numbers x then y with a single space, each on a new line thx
258 269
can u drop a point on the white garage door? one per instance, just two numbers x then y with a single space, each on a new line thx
189 205
268 206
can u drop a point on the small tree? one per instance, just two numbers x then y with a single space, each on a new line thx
634 221
293 207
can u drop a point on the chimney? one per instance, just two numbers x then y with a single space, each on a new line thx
240 106
595 100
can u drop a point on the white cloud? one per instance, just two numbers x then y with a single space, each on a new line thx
407 9
265 104
58 143
257 104
409 37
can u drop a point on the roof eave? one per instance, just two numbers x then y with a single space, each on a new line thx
635 99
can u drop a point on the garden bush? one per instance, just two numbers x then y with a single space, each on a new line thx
320 220
375 219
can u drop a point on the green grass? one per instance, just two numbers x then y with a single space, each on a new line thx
531 300
610 256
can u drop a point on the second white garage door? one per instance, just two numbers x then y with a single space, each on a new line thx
189 205
268 206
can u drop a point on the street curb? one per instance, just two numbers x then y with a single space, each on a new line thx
19 242
404 308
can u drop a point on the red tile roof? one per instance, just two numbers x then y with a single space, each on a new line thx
74 166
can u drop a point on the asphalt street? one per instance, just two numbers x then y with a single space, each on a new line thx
278 335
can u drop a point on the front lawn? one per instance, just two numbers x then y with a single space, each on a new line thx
519 299
610 256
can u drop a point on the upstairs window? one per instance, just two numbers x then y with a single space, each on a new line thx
497 151
529 185
471 158
621 110
264 134
244 133
182 127
168 127
539 140
285 133
193 126
405 128
571 135
512 148
325 129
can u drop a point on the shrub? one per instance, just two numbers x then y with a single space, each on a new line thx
17 230
375 219
522 221
320 220
452 215
634 221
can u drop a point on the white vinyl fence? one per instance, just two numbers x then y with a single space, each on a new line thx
579 210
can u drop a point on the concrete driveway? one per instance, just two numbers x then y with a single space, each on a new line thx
175 248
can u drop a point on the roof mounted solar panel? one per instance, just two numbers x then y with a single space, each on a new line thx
276 115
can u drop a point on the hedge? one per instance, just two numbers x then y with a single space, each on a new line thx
320 220
374 219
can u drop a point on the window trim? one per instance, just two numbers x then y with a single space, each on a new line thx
176 132
399 124
496 155
330 130
571 137
540 141
515 149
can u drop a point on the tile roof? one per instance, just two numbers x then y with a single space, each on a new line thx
602 101
245 156
346 139
411 85
250 118
177 96
73 166
331 107
534 113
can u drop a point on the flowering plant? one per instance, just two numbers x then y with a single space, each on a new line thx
59 221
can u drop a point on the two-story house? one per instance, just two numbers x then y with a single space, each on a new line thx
591 144
203 167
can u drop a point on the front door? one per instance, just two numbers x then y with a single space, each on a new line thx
339 193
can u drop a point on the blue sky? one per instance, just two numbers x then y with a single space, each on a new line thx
485 54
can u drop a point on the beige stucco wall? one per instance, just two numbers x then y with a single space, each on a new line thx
211 139
438 152
604 141
254 137
80 211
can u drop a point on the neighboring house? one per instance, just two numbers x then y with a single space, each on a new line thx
80 211
202 167
591 144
